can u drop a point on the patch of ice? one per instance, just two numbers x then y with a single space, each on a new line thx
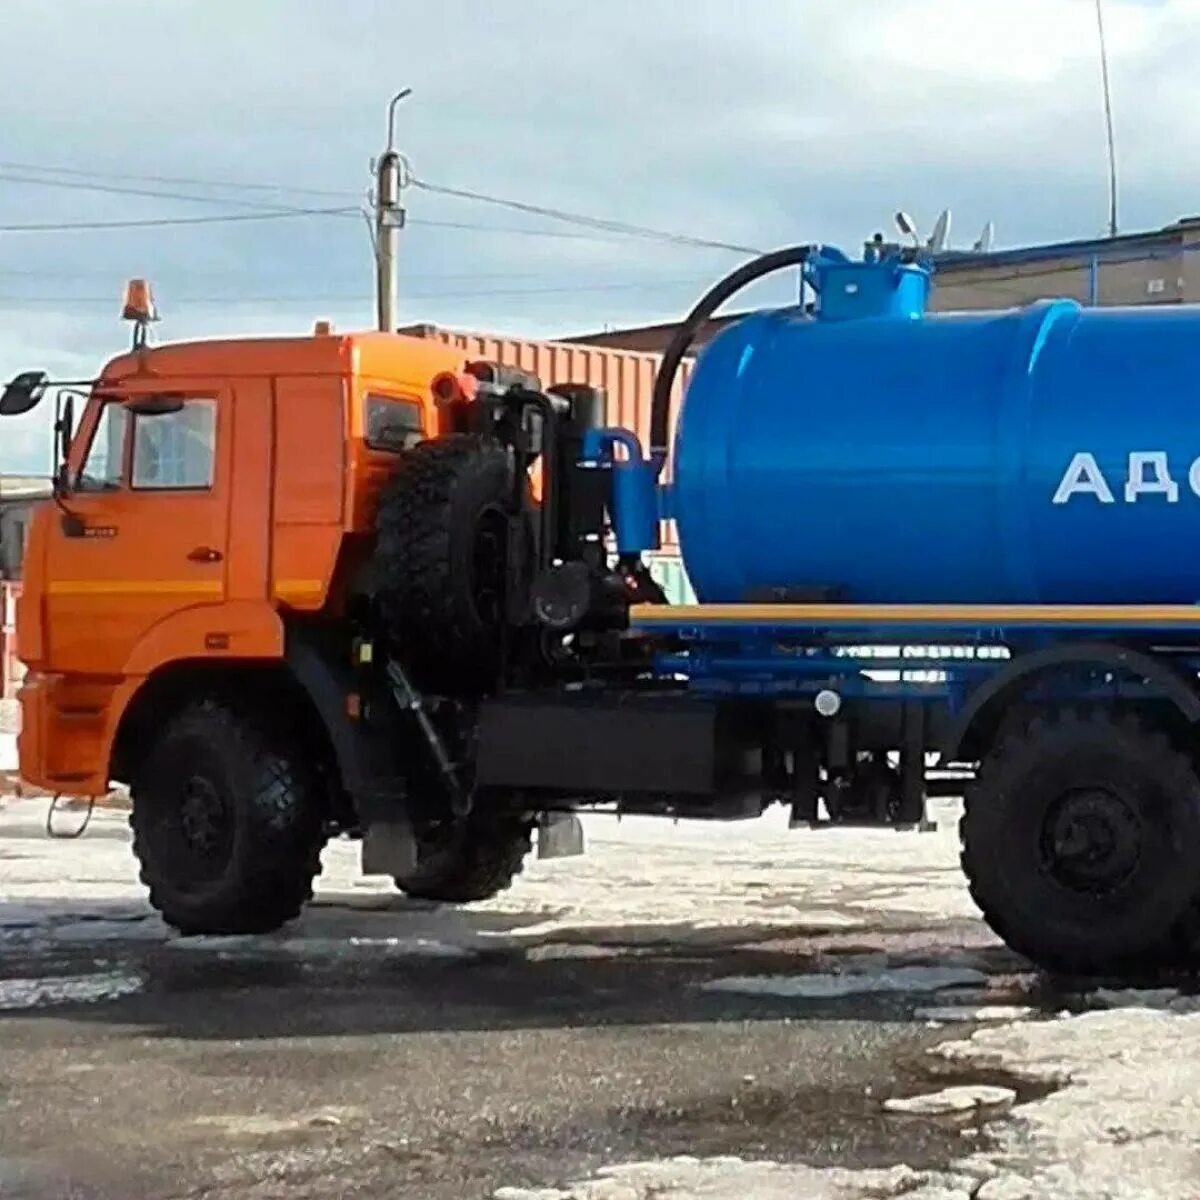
133 929
20 994
726 1179
1134 997
1127 1123
18 916
267 946
1008 1187
967 1012
965 1098
830 986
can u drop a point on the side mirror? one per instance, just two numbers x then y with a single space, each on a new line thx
23 393
160 405
64 427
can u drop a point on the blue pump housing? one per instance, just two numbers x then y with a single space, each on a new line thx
881 454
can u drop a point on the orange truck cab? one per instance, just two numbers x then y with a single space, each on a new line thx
214 491
241 536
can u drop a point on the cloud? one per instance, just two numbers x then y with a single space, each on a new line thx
761 123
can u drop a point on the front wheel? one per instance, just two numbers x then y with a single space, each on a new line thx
1081 840
227 822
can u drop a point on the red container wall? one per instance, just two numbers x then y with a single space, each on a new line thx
627 377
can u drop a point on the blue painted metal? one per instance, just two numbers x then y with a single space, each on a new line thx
918 460
635 499
879 288
945 665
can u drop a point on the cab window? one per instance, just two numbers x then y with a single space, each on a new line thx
175 450
392 423
104 465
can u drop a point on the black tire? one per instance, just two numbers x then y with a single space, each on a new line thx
227 822
472 859
441 564
1080 842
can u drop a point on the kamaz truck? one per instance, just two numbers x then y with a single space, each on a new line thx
295 588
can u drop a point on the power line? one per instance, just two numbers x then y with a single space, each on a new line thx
558 214
174 179
517 231
155 222
115 190
7 177
76 177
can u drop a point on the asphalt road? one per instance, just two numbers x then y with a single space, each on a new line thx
440 1079
386 1049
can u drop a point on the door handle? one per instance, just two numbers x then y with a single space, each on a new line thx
205 554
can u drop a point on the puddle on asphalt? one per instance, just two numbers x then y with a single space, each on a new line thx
18 995
827 986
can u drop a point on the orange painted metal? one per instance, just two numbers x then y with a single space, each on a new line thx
203 573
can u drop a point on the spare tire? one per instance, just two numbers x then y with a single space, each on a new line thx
444 558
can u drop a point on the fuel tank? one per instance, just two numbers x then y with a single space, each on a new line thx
877 453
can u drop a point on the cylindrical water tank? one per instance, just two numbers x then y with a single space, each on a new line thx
1046 454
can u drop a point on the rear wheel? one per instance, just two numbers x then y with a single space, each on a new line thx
467 859
1081 840
227 822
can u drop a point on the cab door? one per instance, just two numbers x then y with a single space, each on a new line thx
145 529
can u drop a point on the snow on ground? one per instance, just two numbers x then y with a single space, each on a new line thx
640 880
1127 1122
889 910
1123 1123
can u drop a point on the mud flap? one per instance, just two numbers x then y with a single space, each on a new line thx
389 848
559 835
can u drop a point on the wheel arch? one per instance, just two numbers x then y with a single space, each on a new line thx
980 718
244 683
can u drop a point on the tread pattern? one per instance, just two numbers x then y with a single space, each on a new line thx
481 862
422 567
1020 752
277 851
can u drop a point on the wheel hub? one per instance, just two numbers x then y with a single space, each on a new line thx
1091 840
203 817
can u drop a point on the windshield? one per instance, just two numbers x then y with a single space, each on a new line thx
103 466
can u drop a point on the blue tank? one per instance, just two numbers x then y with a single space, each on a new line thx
1045 454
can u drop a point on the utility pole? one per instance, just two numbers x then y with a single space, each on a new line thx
390 180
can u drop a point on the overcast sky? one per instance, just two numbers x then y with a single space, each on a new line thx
760 123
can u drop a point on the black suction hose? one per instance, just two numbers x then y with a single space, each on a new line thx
680 344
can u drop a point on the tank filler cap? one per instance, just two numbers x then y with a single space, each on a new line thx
882 285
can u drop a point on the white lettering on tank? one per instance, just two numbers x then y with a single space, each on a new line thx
1083 478
1194 476
1160 482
